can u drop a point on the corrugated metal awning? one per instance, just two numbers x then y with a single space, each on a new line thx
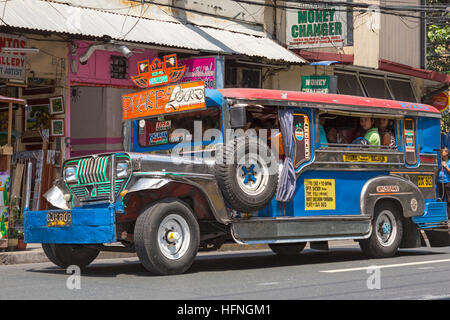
41 15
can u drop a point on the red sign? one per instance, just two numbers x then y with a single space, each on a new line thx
441 101
158 72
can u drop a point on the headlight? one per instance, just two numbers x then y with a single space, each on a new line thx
70 174
122 170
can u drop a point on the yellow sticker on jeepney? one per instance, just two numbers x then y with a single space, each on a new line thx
320 194
425 181
364 158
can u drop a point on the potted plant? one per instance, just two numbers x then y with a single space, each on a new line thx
21 245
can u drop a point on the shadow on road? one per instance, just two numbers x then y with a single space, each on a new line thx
236 261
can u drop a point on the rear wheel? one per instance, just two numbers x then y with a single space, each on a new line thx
387 232
64 255
287 249
167 237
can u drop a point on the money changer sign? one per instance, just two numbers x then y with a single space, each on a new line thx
315 28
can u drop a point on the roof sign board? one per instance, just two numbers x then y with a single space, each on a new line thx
316 27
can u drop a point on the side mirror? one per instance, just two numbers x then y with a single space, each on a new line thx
238 116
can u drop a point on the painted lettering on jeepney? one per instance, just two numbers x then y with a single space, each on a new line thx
414 106
364 158
164 100
320 194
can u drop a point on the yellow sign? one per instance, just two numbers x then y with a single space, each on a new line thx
425 181
364 158
320 194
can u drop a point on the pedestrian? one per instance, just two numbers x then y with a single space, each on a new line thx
443 178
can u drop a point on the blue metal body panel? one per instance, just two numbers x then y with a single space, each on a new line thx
435 214
89 225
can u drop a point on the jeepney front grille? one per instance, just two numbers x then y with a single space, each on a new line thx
94 180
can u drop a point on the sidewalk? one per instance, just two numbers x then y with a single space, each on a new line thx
35 253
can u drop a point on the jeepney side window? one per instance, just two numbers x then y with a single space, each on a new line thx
337 131
163 129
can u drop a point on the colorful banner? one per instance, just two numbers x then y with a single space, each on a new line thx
4 196
316 28
199 69
164 100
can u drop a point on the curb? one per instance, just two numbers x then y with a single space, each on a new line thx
37 255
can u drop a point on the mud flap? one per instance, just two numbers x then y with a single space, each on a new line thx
438 237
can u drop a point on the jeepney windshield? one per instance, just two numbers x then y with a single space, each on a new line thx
166 129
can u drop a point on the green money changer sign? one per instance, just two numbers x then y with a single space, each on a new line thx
316 28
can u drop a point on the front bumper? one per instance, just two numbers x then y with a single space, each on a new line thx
88 226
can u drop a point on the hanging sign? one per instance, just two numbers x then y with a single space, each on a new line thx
164 100
441 102
158 72
200 69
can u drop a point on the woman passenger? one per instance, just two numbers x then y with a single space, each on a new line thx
386 134
371 132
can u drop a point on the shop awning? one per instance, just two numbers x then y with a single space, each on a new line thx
47 16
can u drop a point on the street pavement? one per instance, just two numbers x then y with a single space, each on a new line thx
340 273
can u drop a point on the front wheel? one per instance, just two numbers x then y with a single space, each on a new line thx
64 255
167 237
387 232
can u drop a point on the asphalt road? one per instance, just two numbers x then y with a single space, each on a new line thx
341 273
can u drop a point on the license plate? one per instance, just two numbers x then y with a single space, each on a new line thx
425 181
59 219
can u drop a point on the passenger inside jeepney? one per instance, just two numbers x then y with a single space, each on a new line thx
385 129
352 131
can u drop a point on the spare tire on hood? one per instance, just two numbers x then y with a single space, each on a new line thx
247 173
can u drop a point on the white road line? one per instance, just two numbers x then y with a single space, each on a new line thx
387 266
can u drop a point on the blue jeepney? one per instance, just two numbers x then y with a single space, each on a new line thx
251 166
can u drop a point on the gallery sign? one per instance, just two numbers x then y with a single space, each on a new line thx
316 28
12 64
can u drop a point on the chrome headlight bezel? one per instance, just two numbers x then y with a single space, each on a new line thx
70 174
122 169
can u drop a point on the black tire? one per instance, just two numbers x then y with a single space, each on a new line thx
252 189
385 238
287 249
64 255
151 238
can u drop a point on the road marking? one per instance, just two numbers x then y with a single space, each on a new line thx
386 266
268 283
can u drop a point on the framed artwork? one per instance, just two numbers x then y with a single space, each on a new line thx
37 117
57 128
56 105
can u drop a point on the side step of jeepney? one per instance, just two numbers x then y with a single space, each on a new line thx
284 230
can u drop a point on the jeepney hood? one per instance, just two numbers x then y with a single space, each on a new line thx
160 164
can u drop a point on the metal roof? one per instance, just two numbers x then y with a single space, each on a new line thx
42 15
